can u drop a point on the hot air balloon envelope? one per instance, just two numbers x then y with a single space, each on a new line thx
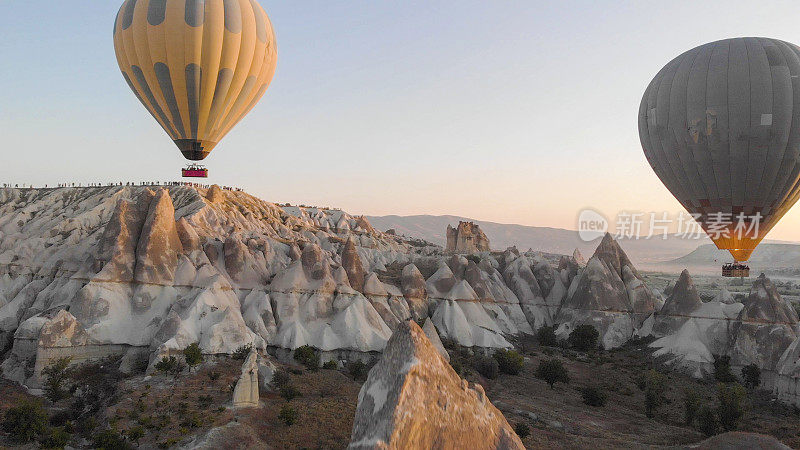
198 66
720 126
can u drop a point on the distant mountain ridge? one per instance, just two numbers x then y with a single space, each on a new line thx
546 239
656 253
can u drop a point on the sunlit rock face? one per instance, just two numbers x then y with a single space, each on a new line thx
466 238
159 268
413 399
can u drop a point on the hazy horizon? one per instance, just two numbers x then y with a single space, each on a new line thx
510 113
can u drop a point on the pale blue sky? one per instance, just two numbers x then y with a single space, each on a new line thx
511 111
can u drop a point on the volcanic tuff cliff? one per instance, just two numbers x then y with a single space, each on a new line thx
467 238
146 271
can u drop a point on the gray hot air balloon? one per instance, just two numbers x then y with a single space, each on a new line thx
720 125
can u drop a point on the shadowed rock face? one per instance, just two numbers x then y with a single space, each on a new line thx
413 288
159 245
765 328
467 238
413 399
683 300
353 266
609 294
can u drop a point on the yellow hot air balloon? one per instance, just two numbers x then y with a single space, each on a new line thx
198 66
720 126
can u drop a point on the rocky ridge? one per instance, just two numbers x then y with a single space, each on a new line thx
146 271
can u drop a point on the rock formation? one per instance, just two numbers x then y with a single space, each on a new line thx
467 238
353 266
413 399
763 331
608 294
678 308
245 394
765 328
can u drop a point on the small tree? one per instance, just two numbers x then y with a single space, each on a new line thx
751 374
509 361
110 439
242 352
593 396
547 336
357 369
584 338
731 405
307 356
488 367
692 402
193 354
170 365
288 415
552 371
330 365
722 369
54 377
26 421
522 429
136 433
289 392
707 421
280 378
653 384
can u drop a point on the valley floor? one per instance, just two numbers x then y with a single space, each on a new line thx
180 412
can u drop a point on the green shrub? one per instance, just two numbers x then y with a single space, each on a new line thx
26 421
289 392
653 383
109 439
55 375
584 338
204 401
488 367
692 401
242 352
751 374
552 371
707 421
169 443
193 354
281 378
169 365
357 369
593 396
509 361
307 356
731 405
722 369
56 437
135 433
330 365
522 430
288 415
457 367
547 336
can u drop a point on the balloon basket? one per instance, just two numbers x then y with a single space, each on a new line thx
194 171
735 270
